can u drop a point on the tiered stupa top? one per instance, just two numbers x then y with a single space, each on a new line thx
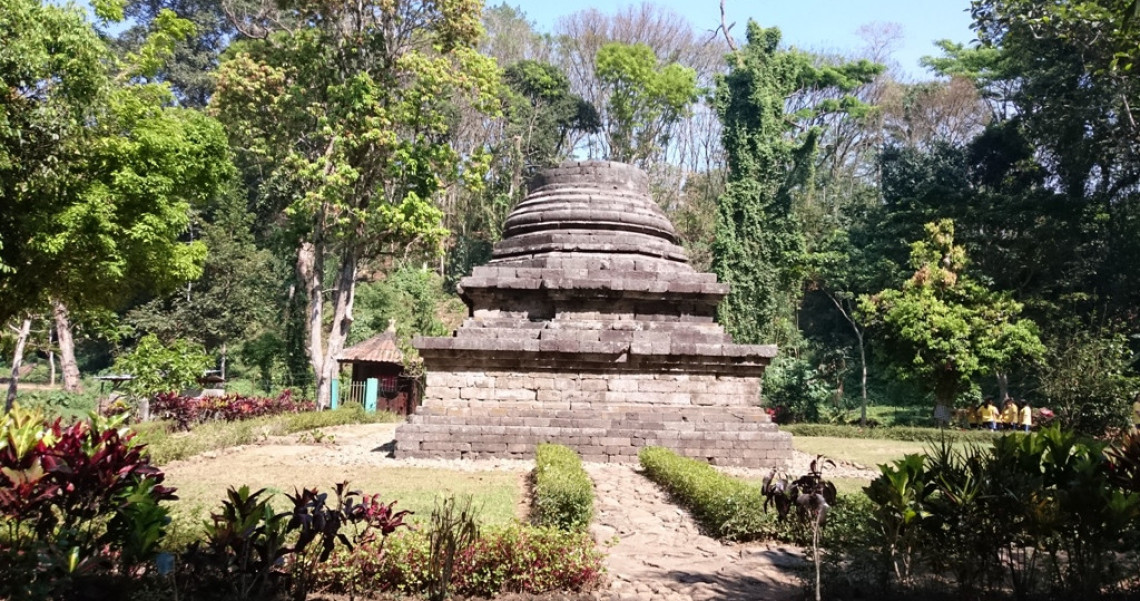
590 266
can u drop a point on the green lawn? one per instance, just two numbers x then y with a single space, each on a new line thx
495 494
867 452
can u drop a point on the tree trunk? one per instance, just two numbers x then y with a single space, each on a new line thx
1003 385
17 360
311 271
323 349
863 382
51 368
343 300
67 363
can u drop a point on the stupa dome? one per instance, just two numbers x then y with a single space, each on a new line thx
589 207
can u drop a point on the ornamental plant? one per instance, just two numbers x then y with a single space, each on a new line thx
78 503
186 411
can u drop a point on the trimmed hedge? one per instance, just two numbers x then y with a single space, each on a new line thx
563 492
726 507
903 433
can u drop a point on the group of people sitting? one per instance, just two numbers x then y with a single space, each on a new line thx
987 416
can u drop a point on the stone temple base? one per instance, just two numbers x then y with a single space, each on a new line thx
604 417
589 328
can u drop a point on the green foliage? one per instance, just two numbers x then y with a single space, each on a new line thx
158 367
411 297
344 121
1086 380
70 406
452 529
942 328
100 193
511 559
794 389
541 112
760 248
645 99
724 506
563 492
79 506
233 298
1038 513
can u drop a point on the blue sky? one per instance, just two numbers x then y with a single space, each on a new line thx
808 24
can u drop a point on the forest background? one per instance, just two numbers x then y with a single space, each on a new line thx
257 185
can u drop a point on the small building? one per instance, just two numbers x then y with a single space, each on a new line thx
378 380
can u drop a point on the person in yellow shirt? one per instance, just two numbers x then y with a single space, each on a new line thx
989 415
1008 414
974 416
1025 416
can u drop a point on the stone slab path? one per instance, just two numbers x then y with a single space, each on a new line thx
660 552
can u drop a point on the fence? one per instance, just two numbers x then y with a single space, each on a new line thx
368 392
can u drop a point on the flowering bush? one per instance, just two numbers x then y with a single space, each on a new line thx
77 502
187 411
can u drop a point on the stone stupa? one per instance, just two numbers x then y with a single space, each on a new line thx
589 328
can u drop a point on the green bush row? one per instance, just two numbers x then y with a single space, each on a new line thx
563 492
903 433
166 445
726 507
517 559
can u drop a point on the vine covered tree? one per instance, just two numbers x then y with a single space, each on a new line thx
759 248
942 328
346 116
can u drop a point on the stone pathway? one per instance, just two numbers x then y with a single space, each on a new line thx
661 554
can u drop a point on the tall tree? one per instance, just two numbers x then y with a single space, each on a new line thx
348 114
759 248
942 328
100 171
645 100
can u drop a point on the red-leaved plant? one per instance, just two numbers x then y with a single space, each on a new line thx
185 411
76 501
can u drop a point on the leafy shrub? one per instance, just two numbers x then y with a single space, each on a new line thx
1046 513
78 503
252 552
563 492
57 403
159 367
452 529
1086 381
724 506
927 435
511 559
795 391
185 411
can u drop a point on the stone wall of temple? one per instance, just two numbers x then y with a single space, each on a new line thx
567 390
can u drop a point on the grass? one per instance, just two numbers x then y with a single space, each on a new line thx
201 487
166 446
866 452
